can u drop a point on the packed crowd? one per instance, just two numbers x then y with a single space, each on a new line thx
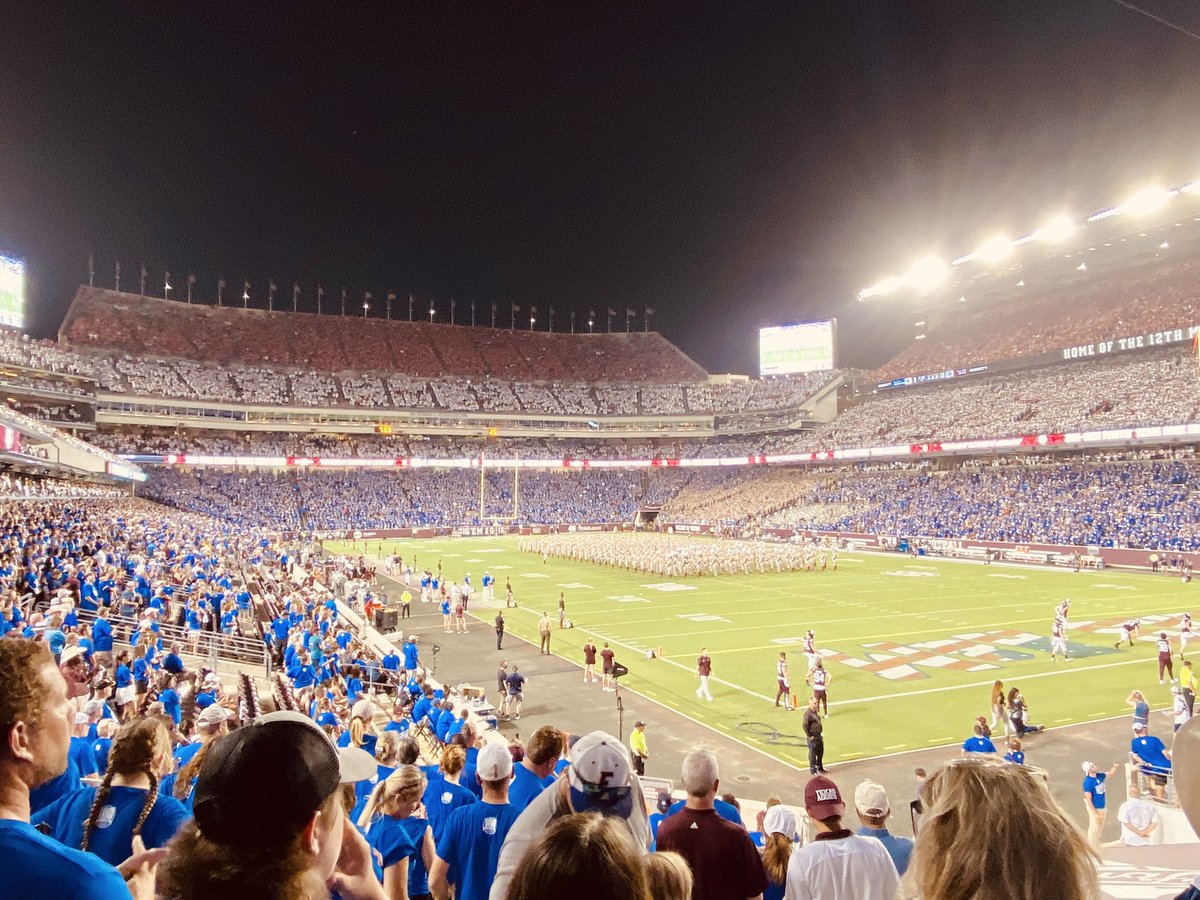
140 326
1153 298
1142 504
1155 388
326 500
1127 503
167 781
380 386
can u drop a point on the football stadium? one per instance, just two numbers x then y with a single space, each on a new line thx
774 583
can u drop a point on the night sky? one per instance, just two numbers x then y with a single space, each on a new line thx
730 165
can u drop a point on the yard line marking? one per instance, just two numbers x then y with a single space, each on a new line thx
728 735
980 684
896 747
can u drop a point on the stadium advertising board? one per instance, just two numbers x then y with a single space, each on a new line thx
1147 340
12 292
795 348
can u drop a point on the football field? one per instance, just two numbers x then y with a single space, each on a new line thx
913 644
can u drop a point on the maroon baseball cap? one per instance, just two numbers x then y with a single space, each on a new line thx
822 798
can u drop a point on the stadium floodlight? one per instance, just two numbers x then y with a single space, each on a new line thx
1145 202
882 289
926 273
1057 229
995 249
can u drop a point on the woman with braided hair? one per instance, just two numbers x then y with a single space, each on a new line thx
104 820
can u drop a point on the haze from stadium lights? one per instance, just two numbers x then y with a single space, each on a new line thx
882 289
926 273
1145 202
1057 229
994 250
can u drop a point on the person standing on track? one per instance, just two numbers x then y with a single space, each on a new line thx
813 731
783 682
703 671
499 629
1164 658
606 668
819 678
1187 684
589 662
545 627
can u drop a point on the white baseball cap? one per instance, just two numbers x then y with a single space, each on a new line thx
780 820
871 799
213 714
599 775
494 763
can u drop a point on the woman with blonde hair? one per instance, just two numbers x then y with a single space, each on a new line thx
401 839
668 876
1025 848
999 711
104 820
387 760
445 794
581 856
779 828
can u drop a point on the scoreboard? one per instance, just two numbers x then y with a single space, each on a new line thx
799 347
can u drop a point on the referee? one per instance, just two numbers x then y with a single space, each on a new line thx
637 743
816 743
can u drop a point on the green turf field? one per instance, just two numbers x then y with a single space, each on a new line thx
913 644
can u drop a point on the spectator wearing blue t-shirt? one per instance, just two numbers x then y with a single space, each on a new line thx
33 697
81 753
412 657
1154 759
469 848
871 804
444 793
530 774
978 743
105 820
402 843
1094 799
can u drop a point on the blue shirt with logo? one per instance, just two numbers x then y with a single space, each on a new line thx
442 798
1094 785
112 839
470 845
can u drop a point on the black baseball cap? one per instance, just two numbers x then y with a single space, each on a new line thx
259 785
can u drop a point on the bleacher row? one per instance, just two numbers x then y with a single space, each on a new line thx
1027 322
143 326
387 385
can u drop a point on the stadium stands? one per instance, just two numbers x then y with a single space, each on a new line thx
146 326
1030 322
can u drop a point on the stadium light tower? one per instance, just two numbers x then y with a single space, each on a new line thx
591 320
1057 229
432 312
1145 202
881 289
926 273
994 250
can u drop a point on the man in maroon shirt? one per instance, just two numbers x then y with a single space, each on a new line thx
724 863
589 662
703 670
606 658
